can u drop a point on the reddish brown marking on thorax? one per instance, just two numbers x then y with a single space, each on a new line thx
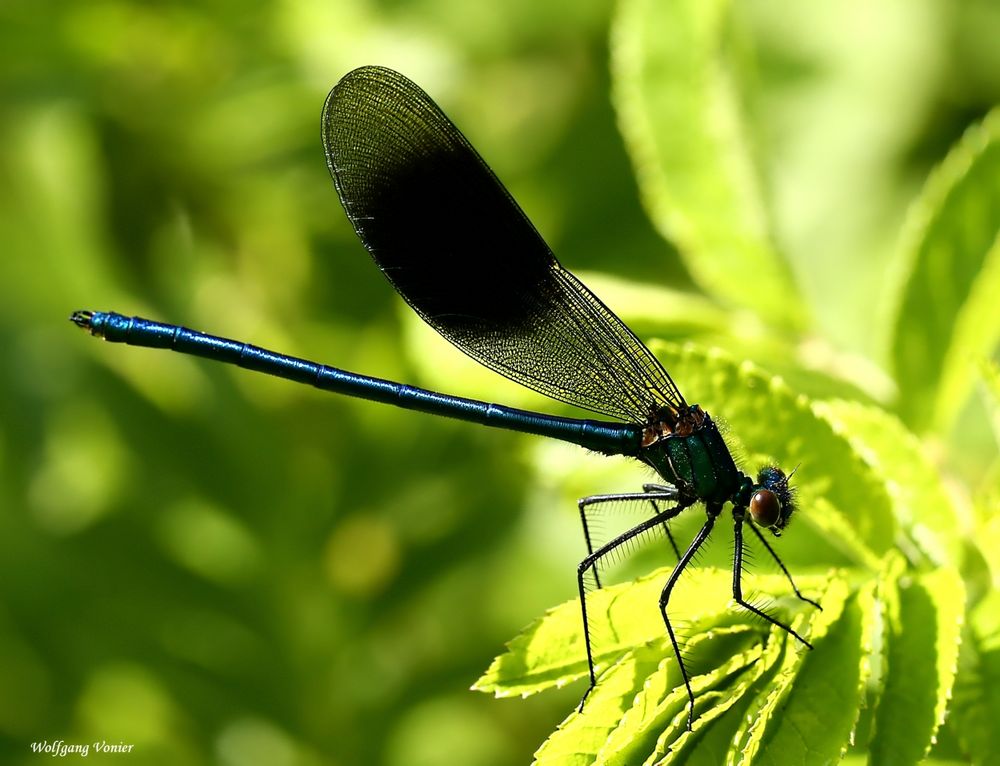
668 421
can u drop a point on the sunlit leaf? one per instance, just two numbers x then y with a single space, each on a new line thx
950 261
581 736
922 620
584 734
638 711
987 519
551 651
711 738
807 716
991 375
659 715
681 120
991 379
921 502
975 706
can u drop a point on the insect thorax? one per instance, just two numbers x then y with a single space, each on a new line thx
687 450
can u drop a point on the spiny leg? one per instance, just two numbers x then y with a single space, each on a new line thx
699 539
651 492
738 586
781 564
592 560
651 489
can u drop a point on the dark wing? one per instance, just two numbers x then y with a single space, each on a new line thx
461 252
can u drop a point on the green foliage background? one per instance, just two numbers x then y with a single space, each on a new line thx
221 568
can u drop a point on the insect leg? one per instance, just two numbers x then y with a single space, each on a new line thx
700 538
738 587
656 489
651 492
590 562
781 564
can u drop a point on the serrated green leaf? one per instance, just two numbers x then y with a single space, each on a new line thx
765 418
682 125
583 734
660 712
950 256
975 705
920 500
894 566
922 621
808 719
674 744
750 735
551 651
747 738
713 744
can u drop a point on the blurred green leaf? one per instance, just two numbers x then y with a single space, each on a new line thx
991 374
975 705
921 503
986 504
687 315
922 619
991 377
680 116
950 267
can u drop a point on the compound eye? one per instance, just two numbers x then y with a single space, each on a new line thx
765 509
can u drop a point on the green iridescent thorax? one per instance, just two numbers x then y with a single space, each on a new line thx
696 460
